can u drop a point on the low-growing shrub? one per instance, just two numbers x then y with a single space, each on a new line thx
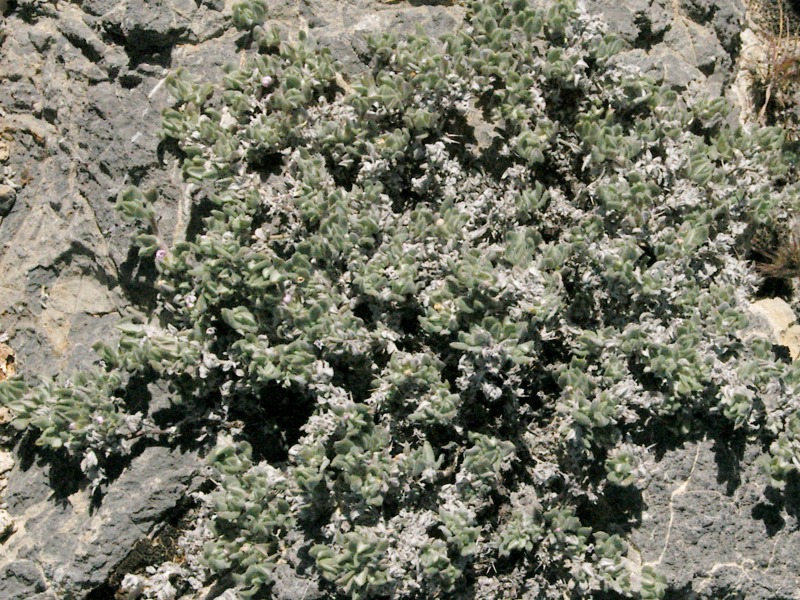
436 310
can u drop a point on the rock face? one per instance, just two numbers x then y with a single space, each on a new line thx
777 322
708 526
74 547
81 91
682 42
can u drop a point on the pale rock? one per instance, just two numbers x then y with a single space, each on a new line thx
775 319
6 524
6 461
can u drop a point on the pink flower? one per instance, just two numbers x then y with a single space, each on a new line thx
267 81
160 254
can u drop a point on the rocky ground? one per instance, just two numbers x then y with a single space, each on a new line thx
81 91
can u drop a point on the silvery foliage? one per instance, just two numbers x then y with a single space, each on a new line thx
440 310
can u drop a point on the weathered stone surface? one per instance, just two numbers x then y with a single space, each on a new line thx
713 529
6 524
725 16
20 580
639 22
78 548
82 119
679 43
774 319
6 521
8 196
146 27
6 464
80 35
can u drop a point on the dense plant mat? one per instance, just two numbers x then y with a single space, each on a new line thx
433 317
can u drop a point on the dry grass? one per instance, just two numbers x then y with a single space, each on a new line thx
776 79
782 259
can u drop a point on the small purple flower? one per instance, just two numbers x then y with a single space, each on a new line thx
160 254
287 297
100 420
267 82
72 427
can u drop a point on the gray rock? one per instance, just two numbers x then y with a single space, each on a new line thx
725 16
148 27
20 580
209 22
678 43
101 8
78 548
710 528
78 33
41 37
8 196
665 66
639 22
344 28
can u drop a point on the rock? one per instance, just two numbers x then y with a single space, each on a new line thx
74 29
678 43
774 319
144 494
725 16
8 368
146 27
708 527
344 28
6 464
79 548
20 580
639 22
6 525
100 7
8 196
665 66
6 522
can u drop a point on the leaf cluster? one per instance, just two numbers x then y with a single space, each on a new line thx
449 301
